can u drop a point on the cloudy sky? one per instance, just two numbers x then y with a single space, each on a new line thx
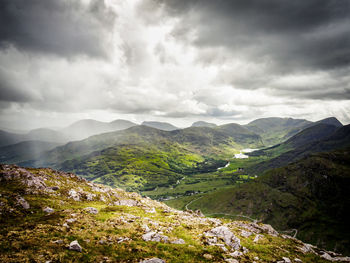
176 61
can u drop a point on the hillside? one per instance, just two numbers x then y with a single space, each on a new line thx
203 124
86 128
50 216
318 138
310 195
164 126
276 130
22 151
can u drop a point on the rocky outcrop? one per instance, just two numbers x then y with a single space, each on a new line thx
222 232
74 245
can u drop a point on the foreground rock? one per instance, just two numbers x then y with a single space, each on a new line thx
74 245
125 227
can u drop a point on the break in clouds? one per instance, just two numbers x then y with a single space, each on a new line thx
177 61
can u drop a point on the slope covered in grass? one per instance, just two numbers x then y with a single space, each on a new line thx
47 215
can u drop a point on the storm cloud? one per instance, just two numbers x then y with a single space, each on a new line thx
64 28
178 61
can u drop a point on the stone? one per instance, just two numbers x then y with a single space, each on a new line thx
286 260
154 236
74 195
151 210
224 233
153 260
74 245
126 202
90 197
236 254
22 202
55 188
91 210
269 229
71 220
208 256
298 260
257 238
178 241
246 233
48 210
231 260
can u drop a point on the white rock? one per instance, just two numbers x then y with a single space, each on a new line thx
245 233
153 260
286 260
257 238
154 236
223 232
74 195
178 241
91 210
22 202
48 210
74 245
298 260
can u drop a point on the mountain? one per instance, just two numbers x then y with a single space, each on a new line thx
311 195
86 128
23 151
317 138
203 124
48 135
7 138
160 125
276 130
331 121
51 216
143 158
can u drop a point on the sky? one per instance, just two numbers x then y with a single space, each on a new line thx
175 61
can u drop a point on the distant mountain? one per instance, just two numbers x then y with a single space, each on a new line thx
276 130
203 124
86 128
331 121
160 125
311 196
143 157
24 151
48 135
8 138
317 138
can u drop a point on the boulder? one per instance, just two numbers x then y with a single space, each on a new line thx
74 195
48 210
178 241
22 202
225 234
154 236
91 210
74 245
153 260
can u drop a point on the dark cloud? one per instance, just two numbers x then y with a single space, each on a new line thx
65 28
290 34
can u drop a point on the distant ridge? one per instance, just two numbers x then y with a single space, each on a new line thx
203 124
165 126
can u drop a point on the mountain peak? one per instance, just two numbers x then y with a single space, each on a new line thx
203 124
165 126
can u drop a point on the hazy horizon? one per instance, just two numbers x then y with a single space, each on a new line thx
172 61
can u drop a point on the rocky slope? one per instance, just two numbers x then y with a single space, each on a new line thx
50 216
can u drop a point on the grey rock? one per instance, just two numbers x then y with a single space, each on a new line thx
91 210
58 241
90 197
231 260
74 245
257 238
22 202
224 233
178 241
150 210
154 236
126 202
236 254
153 260
286 260
48 210
246 233
298 260
74 195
